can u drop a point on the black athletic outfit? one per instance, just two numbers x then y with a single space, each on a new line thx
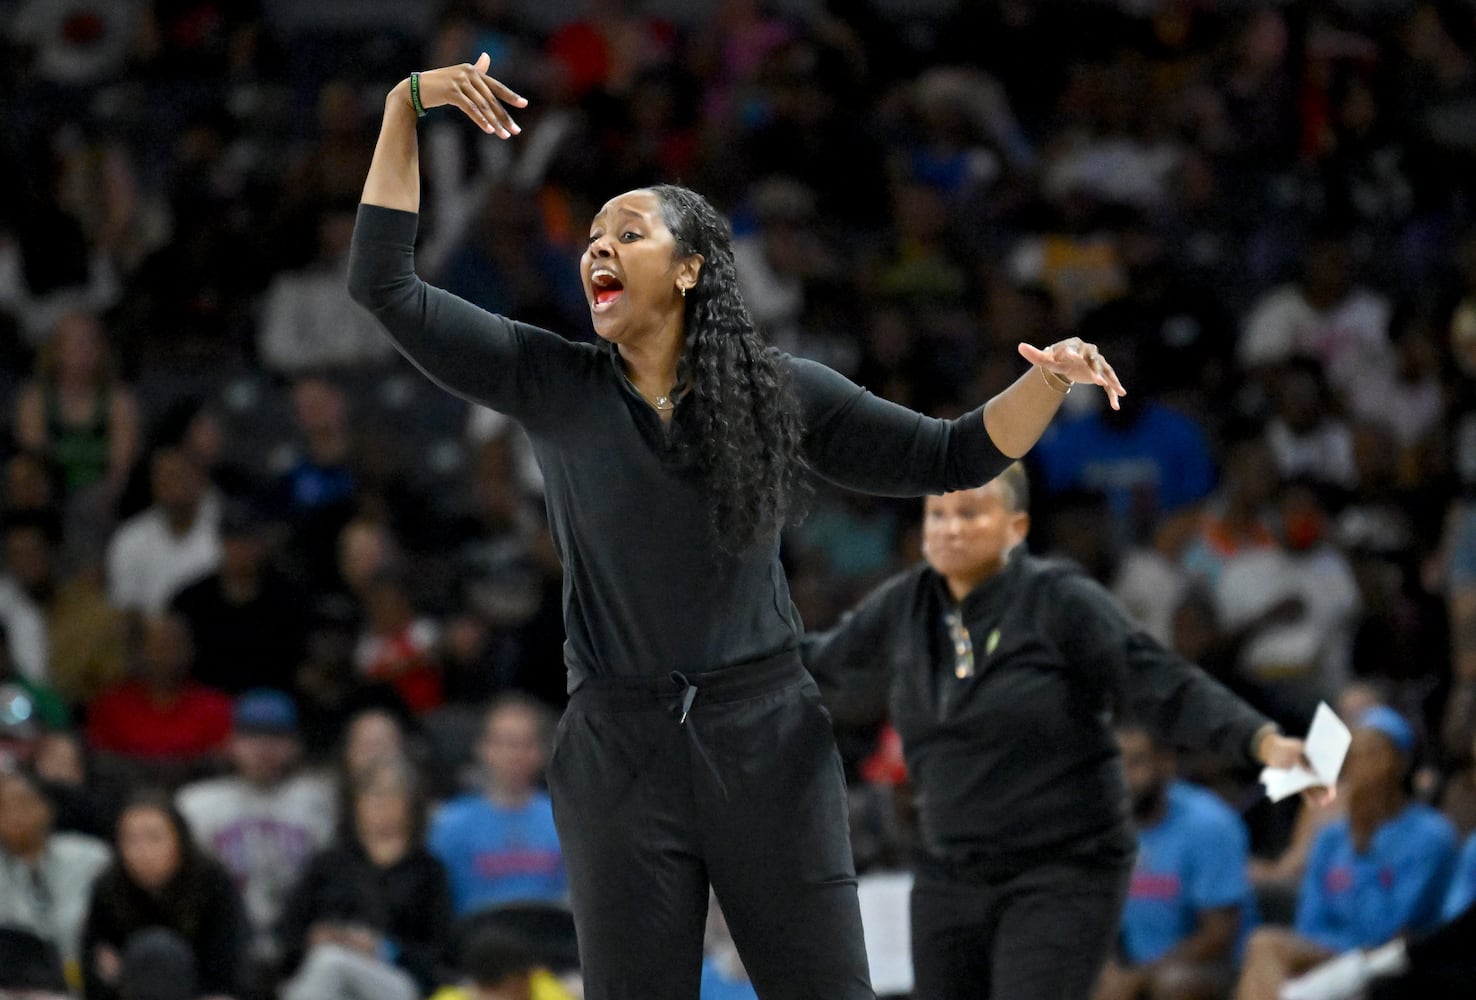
1026 840
694 748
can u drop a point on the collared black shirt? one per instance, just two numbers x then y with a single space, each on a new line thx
1018 761
646 588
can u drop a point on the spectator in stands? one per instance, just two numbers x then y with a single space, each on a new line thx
84 637
264 820
1326 315
372 735
1237 517
1149 460
81 803
316 495
498 843
30 967
20 616
330 691
161 716
165 898
509 581
497 964
1308 437
172 543
248 620
43 706
45 877
370 914
1380 872
78 413
308 320
398 644
1295 604
1189 902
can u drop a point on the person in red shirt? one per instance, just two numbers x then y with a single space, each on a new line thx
161 716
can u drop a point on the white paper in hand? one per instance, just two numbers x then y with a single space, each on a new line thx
1327 745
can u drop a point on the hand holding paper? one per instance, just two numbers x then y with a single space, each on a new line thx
1327 745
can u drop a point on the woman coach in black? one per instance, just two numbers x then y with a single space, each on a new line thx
694 747
1001 672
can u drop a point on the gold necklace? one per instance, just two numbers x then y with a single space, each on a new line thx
662 403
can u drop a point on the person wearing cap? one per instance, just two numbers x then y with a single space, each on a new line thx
1378 873
265 819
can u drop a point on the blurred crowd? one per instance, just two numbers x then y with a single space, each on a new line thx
280 634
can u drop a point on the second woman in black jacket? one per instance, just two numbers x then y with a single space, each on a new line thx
377 891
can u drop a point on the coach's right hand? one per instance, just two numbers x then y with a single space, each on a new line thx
469 88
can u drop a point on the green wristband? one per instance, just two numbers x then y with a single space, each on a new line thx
415 95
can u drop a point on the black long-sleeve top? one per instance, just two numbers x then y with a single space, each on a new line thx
203 907
1018 762
408 902
646 589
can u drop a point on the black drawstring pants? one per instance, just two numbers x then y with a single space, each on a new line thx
663 785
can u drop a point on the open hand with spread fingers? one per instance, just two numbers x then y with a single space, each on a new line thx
468 87
1075 360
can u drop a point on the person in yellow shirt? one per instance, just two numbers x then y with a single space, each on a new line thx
497 966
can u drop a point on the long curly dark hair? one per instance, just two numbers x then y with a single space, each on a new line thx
739 421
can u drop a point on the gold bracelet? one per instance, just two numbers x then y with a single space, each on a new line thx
1056 382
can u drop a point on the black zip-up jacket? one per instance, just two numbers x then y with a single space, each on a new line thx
1018 763
646 588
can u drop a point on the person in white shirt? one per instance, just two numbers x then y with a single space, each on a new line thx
45 877
1324 315
264 821
174 542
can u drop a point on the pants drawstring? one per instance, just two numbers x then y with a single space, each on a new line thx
689 695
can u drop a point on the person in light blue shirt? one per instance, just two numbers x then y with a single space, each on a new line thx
499 844
1190 900
1147 459
1380 872
1463 885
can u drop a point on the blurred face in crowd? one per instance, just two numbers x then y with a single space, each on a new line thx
1148 769
27 485
79 349
968 534
512 748
28 557
25 816
264 758
1303 519
148 846
165 651
1374 764
389 607
364 549
1250 473
382 801
372 736
59 759
241 554
319 406
178 483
